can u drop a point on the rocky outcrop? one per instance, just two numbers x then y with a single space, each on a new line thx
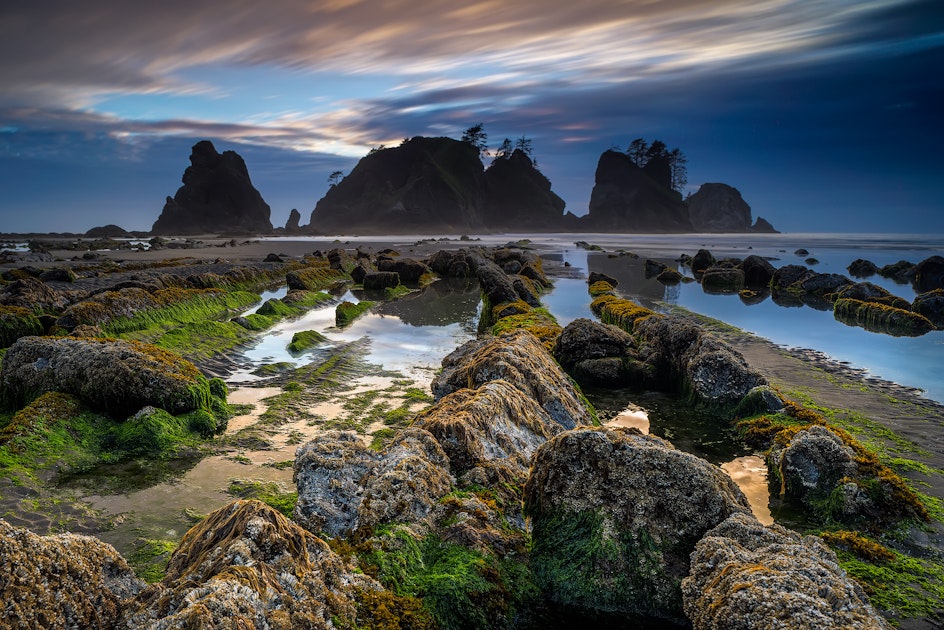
61 581
291 226
602 355
745 576
118 377
626 198
615 515
456 264
881 318
409 269
757 272
929 274
931 305
497 421
706 367
719 208
426 185
107 231
763 226
518 197
217 196
812 464
33 294
343 485
861 268
380 280
868 292
519 359
247 566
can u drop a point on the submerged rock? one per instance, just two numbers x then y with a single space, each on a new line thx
861 268
61 581
745 576
518 358
343 485
931 305
119 377
615 515
247 566
929 274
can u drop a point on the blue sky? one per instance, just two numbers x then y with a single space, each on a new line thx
826 115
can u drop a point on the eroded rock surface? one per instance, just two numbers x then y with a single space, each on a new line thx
745 576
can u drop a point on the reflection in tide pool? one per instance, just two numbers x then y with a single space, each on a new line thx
750 474
633 417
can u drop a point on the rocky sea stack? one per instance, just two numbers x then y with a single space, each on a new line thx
720 208
217 196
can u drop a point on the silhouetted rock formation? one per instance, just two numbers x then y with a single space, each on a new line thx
626 197
519 197
107 231
293 218
217 196
719 208
424 185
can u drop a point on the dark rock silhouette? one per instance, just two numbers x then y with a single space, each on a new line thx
217 196
424 185
293 218
763 226
519 197
626 197
719 208
107 231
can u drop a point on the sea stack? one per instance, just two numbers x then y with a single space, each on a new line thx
217 196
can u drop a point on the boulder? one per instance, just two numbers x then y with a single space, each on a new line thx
61 581
822 284
217 196
812 463
789 275
881 318
718 208
118 377
615 515
344 486
722 280
654 268
380 280
868 292
931 305
496 285
669 277
757 271
701 261
695 360
33 294
596 276
861 268
745 576
929 274
901 271
247 566
455 264
584 339
497 421
410 270
518 358
57 274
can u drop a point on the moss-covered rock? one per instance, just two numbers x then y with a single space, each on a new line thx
119 377
619 312
313 278
881 318
615 515
16 322
305 340
346 312
747 576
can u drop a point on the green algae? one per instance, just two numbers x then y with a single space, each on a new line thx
16 322
305 340
188 306
150 557
881 318
269 492
198 341
346 312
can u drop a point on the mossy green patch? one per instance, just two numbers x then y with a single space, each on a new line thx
150 557
538 321
16 322
393 293
346 312
881 318
201 340
180 306
270 369
305 340
269 492
153 432
619 312
274 307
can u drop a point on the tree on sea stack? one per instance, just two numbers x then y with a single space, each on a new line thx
476 136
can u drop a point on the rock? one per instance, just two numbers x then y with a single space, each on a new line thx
455 264
745 576
669 277
107 231
931 305
247 566
901 271
217 196
813 462
881 318
701 261
868 292
789 275
695 361
615 515
757 272
861 268
761 399
518 197
32 294
496 286
801 252
497 421
410 270
929 274
584 339
596 276
344 486
519 359
291 226
722 280
718 208
763 226
425 185
273 258
654 268
118 377
822 284
380 280
360 271
631 199
61 581
16 322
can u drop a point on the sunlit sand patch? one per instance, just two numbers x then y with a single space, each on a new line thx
633 417
249 396
750 474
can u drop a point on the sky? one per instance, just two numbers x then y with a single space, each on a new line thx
827 115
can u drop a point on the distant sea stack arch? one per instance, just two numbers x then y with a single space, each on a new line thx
217 196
